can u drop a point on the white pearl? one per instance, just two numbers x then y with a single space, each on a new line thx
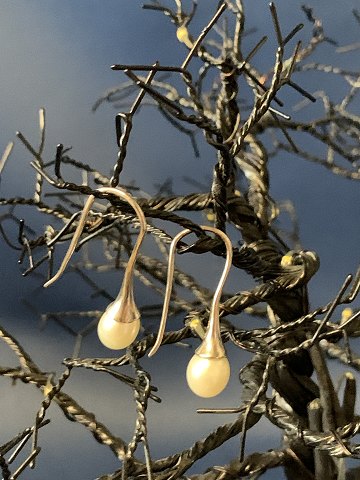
207 377
114 333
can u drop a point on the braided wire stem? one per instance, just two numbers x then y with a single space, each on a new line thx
4 468
72 410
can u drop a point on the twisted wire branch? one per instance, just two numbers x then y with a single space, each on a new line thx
280 349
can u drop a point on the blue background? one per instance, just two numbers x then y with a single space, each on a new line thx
57 55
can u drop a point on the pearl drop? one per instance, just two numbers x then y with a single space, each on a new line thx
207 377
114 333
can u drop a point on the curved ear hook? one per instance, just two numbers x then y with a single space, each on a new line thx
120 323
208 371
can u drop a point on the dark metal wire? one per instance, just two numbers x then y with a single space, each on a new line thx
295 340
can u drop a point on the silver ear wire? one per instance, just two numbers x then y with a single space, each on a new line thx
208 371
120 323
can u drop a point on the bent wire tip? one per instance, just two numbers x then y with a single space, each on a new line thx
54 278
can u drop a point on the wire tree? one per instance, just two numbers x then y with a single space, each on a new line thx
219 93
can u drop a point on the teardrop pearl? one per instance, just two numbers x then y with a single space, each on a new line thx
207 377
119 325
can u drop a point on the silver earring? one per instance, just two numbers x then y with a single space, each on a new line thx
208 371
120 323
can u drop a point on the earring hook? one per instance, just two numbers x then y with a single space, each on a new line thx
120 323
208 371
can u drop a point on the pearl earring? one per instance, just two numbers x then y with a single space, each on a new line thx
208 371
120 323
